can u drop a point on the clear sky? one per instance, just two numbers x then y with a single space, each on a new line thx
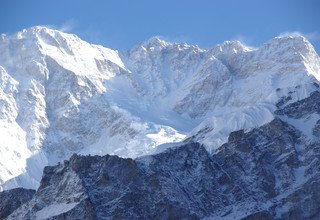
120 24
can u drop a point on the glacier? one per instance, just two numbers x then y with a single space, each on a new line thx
60 95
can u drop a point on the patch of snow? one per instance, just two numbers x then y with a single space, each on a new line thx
166 135
54 210
305 125
217 128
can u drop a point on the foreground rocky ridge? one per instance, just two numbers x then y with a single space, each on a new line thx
270 172
13 199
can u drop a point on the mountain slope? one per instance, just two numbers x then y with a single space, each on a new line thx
60 95
271 172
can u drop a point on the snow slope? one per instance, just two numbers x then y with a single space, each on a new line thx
60 95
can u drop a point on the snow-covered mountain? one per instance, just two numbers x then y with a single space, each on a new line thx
60 95
270 172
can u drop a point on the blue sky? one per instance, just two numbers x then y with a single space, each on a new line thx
120 24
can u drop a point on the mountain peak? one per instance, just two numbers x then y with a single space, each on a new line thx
40 28
36 30
292 37
154 42
294 47
44 33
230 47
296 42
234 43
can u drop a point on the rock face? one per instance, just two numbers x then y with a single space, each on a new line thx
270 172
12 199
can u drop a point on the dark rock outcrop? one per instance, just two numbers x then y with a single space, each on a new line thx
10 200
262 174
303 107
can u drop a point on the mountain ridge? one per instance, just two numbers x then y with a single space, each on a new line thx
61 95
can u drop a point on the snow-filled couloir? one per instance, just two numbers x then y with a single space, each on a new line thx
60 95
